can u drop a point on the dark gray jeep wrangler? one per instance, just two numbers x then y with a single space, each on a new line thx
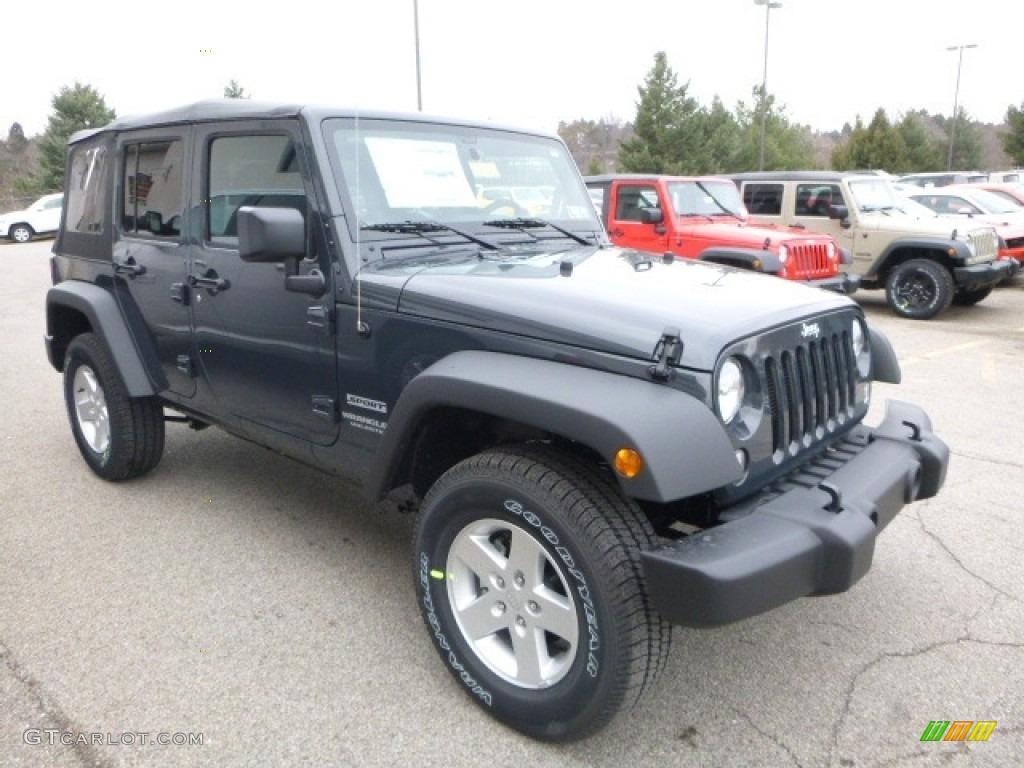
598 443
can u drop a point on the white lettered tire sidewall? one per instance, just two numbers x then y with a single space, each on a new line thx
582 693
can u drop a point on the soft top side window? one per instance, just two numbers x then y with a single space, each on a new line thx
763 199
85 190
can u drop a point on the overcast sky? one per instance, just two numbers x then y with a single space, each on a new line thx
524 62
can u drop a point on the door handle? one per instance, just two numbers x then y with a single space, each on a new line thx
129 267
210 280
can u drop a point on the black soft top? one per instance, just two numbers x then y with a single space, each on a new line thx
212 110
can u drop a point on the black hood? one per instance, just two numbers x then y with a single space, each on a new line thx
612 300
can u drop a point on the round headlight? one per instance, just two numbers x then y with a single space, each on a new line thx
857 334
859 339
783 253
731 389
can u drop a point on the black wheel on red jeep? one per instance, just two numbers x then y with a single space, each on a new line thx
527 565
919 289
968 298
119 436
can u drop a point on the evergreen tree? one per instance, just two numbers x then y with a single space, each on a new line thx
234 91
721 137
74 108
668 135
16 141
786 146
880 145
924 153
967 148
1013 139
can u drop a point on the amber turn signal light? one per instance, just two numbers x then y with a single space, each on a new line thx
628 463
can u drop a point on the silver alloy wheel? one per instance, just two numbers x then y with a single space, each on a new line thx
91 409
512 603
21 234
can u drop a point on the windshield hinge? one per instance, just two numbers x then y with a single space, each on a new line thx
667 353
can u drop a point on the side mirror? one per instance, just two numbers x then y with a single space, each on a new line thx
267 235
838 211
272 235
651 215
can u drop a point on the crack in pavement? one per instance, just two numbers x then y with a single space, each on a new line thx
938 540
886 656
86 753
987 459
747 719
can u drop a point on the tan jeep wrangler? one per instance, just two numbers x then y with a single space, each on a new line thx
923 262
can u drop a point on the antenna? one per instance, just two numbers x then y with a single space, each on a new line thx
362 328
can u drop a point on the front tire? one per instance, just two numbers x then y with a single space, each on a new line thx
968 298
919 289
119 436
21 233
528 572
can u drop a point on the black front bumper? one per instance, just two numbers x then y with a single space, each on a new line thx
812 534
844 283
982 275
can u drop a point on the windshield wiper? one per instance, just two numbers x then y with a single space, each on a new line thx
524 224
425 227
718 202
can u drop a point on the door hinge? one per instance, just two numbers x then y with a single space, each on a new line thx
326 408
186 366
179 293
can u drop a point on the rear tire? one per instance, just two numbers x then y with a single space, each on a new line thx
919 289
527 565
119 436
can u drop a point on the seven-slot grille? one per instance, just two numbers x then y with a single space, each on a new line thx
809 260
811 390
986 247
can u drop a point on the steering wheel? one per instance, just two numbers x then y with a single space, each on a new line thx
506 202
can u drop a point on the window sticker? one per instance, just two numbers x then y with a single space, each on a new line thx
417 173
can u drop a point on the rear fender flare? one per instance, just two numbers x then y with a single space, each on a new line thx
104 317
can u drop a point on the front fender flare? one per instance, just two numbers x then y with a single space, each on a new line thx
101 311
684 446
755 259
933 244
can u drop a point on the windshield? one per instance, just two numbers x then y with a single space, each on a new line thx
874 194
706 198
990 202
404 171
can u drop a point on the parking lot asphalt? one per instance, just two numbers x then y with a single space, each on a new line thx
240 600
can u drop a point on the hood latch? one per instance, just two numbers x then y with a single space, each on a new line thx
667 353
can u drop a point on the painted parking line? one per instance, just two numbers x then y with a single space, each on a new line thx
945 351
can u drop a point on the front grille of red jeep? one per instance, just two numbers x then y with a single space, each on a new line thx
811 391
809 260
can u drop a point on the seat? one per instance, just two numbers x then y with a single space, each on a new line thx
823 202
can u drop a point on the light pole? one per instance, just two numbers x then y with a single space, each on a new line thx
956 98
768 5
416 30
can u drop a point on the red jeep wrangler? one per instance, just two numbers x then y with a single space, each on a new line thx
702 217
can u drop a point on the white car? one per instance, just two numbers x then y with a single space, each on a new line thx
971 201
40 218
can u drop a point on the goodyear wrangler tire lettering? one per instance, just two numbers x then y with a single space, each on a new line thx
527 563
